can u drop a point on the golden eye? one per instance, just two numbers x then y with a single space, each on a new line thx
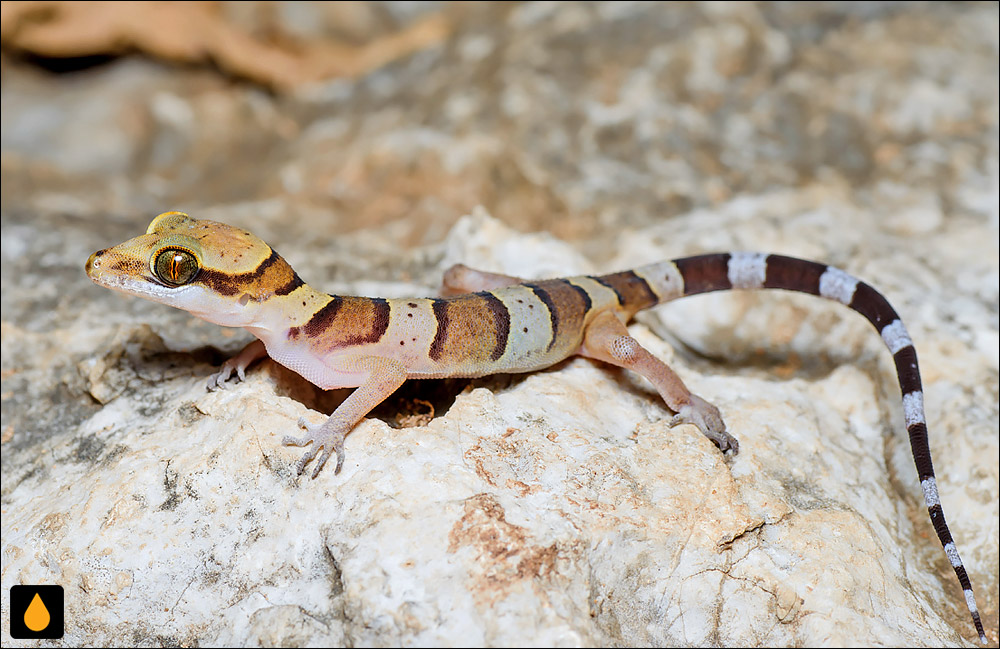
174 266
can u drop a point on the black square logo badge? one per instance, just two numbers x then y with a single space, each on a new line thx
36 612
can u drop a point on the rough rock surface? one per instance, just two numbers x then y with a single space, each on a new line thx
555 508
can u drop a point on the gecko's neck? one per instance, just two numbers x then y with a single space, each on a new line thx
279 314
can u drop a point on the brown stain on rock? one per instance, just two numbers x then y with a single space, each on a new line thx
504 553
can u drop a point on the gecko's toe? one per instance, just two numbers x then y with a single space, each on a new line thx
288 440
216 381
339 447
300 466
305 440
304 424
321 462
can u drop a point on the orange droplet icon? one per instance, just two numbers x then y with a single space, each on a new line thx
36 617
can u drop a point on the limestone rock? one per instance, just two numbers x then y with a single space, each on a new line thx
556 508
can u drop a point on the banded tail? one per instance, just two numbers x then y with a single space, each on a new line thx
750 270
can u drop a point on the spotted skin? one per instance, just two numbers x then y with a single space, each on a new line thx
486 323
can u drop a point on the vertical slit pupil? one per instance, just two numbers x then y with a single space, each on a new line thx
176 267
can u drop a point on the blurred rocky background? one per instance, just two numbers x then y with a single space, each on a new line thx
355 136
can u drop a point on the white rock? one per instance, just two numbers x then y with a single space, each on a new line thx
558 509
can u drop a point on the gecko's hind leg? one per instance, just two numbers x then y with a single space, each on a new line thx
462 279
607 339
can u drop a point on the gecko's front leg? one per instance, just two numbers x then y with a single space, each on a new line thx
383 376
238 363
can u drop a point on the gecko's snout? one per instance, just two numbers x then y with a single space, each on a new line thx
93 264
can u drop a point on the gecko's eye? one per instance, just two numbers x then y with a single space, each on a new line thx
175 266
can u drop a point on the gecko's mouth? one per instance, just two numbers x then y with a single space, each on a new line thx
102 274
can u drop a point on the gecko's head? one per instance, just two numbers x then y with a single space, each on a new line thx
213 270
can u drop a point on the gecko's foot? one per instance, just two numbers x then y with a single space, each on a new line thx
321 436
708 420
238 364
218 380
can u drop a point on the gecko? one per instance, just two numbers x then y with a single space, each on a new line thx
484 323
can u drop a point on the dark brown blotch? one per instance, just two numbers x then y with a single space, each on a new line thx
323 317
501 318
546 299
793 274
440 309
633 292
705 273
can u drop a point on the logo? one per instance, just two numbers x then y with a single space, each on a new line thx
36 612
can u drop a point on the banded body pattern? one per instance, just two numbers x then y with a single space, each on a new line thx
516 328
